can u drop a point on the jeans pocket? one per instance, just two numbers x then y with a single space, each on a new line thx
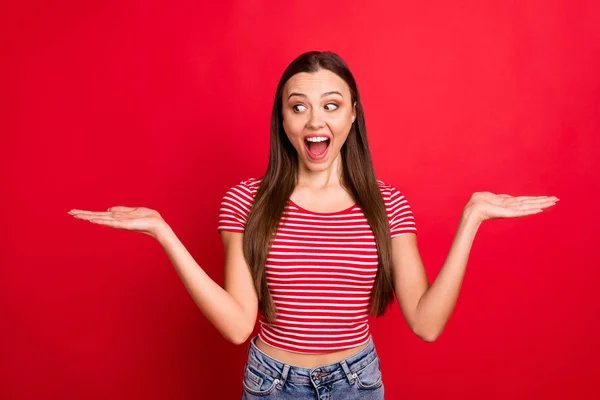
369 377
257 383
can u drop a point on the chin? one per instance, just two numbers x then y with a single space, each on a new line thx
319 166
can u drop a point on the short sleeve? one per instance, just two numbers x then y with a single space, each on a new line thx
400 214
235 207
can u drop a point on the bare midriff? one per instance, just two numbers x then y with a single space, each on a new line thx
306 360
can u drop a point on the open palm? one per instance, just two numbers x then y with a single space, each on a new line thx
139 219
489 205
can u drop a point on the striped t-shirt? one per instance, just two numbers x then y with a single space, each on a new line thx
320 269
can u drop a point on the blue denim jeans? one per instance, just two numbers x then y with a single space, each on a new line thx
356 377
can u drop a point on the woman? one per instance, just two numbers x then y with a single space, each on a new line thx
317 244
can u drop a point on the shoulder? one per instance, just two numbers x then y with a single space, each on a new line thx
236 205
246 188
388 191
399 210
393 198
252 183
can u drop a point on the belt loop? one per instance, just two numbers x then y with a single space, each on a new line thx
249 352
284 374
347 371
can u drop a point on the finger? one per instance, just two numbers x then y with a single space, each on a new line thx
532 206
121 208
532 212
525 198
524 213
522 199
537 206
88 214
113 223
540 201
76 211
518 202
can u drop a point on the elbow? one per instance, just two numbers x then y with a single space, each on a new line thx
238 340
239 336
428 336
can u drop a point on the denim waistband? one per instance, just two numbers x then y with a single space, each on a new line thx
318 376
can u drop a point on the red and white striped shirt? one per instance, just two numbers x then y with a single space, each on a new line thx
320 269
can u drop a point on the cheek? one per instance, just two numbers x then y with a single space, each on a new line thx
291 133
341 120
292 126
341 126
341 134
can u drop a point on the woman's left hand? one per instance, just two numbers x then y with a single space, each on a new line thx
487 205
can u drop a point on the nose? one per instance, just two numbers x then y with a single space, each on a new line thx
316 120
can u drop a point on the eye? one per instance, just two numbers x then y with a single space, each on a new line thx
332 104
296 109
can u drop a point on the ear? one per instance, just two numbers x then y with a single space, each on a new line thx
353 111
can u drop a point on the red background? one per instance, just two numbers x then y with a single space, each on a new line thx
167 105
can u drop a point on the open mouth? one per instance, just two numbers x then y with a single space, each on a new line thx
317 147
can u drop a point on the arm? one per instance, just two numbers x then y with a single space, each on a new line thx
232 309
427 308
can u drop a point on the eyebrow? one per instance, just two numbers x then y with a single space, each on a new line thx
323 95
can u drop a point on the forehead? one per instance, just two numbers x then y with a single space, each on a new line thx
315 83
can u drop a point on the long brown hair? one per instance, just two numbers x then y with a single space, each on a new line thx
278 183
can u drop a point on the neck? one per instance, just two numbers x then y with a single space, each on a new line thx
330 177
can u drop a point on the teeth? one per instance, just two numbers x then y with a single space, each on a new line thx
317 139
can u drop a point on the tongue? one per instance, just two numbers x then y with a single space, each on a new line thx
317 148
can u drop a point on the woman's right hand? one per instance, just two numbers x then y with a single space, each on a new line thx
139 219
